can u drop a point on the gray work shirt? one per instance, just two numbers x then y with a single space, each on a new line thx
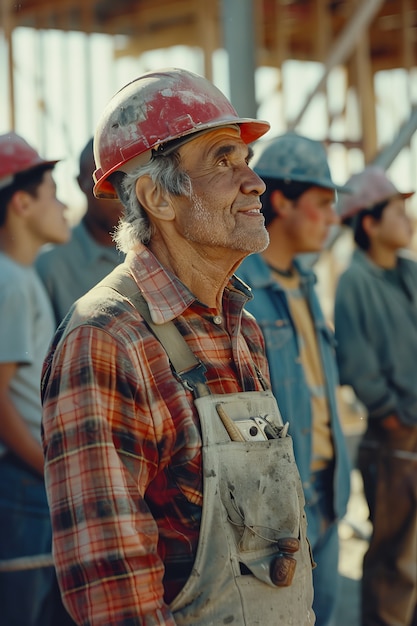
69 270
376 332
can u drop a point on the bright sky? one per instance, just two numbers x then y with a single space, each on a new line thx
63 82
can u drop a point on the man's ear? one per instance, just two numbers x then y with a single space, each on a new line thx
20 202
153 199
279 203
368 224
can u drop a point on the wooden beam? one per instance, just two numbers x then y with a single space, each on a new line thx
180 35
6 14
208 34
406 35
366 96
343 47
148 17
322 42
40 9
87 20
388 154
281 49
322 29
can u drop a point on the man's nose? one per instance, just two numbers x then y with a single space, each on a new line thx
253 183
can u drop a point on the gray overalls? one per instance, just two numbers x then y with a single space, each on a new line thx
252 508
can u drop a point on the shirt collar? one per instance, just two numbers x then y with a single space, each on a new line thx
166 295
361 259
262 276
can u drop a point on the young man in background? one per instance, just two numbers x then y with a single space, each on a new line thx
376 332
30 216
68 271
298 206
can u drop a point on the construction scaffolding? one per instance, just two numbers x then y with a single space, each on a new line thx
354 86
362 37
349 44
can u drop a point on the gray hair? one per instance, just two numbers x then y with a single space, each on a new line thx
165 171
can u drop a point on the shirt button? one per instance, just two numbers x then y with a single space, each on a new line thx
217 319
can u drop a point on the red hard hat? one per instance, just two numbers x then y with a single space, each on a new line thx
17 156
157 108
368 188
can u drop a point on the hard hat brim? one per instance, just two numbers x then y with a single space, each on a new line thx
317 182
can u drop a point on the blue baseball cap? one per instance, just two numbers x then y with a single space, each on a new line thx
294 158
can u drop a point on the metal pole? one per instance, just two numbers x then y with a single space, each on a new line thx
238 33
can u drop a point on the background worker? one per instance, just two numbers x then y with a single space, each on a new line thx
298 206
30 216
152 521
376 332
69 271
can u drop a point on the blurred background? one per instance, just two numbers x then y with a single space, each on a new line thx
340 71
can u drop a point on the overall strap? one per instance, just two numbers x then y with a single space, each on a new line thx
189 369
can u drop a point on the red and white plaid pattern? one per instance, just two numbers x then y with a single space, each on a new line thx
123 447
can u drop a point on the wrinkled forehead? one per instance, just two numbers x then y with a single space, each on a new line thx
224 140
204 134
198 141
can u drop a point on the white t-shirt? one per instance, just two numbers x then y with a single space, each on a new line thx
26 329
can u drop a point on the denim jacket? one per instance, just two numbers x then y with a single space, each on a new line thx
271 309
376 330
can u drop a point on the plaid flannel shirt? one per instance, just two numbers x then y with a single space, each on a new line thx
123 444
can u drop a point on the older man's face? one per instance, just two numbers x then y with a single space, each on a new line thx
224 211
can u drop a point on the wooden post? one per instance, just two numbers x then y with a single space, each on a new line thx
366 96
344 46
322 42
6 15
207 28
86 23
407 39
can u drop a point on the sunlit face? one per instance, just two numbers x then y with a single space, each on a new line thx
46 218
224 211
310 220
394 229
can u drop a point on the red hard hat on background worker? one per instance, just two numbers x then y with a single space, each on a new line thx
368 188
17 156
